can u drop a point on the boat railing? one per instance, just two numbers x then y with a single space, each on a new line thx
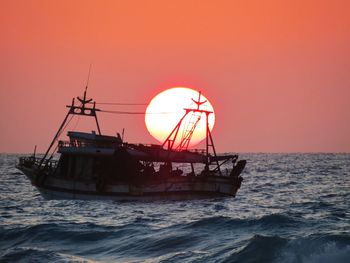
32 161
142 145
85 144
200 151
82 144
156 146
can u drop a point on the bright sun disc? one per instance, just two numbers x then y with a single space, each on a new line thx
167 108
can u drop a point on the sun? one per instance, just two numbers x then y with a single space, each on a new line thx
167 108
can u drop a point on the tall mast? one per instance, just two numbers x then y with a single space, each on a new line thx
170 140
82 109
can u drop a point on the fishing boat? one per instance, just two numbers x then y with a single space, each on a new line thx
94 166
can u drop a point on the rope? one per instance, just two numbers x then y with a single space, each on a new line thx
58 135
134 112
119 103
76 124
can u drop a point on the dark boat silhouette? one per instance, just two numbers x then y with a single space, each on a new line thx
96 166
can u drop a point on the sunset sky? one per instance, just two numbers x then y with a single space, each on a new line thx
276 72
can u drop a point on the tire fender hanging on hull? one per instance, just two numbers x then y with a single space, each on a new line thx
237 170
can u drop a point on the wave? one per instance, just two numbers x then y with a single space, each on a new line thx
76 242
62 235
259 249
317 248
273 220
24 244
28 254
311 249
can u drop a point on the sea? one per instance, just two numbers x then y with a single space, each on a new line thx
290 208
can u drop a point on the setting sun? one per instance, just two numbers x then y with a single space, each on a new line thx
167 108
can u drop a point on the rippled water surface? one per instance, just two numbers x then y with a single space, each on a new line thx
290 208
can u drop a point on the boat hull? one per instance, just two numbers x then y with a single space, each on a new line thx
170 188
50 194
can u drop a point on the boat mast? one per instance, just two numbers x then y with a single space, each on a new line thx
82 109
170 140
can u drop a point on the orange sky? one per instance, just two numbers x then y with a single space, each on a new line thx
276 72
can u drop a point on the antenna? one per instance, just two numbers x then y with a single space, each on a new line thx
84 100
88 78
34 151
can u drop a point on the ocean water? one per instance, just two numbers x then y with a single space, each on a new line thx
290 208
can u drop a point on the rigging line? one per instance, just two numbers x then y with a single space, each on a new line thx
65 126
134 112
118 103
76 124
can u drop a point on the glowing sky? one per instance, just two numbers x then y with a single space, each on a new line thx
276 72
